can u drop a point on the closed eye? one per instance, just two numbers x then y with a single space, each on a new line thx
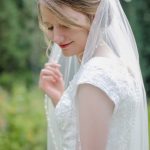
50 28
62 26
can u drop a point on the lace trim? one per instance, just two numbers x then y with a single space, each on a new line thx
109 77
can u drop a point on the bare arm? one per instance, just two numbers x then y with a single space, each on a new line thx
95 112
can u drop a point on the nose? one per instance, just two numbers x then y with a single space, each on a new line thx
58 35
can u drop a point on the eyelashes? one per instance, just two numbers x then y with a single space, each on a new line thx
50 28
61 26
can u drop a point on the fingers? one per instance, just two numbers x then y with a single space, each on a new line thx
55 71
53 65
51 72
46 80
49 78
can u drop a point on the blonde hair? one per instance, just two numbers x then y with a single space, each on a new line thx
87 7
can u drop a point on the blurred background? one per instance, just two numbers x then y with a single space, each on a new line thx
22 55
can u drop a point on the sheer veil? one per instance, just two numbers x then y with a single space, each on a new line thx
110 26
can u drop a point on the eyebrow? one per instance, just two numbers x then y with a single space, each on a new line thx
49 24
46 23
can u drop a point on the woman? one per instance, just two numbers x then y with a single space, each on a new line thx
95 94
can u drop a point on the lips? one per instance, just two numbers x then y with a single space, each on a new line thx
65 45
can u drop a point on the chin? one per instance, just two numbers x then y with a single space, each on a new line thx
67 53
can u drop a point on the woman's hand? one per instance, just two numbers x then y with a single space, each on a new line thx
51 81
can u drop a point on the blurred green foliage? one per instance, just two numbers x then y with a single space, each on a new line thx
138 13
22 119
21 42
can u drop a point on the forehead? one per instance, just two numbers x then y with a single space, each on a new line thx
46 15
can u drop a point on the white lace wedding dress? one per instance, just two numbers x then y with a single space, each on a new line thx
113 77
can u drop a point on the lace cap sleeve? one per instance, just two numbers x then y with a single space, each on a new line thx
108 75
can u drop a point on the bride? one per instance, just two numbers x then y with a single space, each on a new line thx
95 96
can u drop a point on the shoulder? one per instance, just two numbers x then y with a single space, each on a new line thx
102 69
103 62
103 66
107 75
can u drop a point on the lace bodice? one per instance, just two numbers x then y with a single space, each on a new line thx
113 77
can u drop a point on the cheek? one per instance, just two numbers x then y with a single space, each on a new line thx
49 35
82 38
